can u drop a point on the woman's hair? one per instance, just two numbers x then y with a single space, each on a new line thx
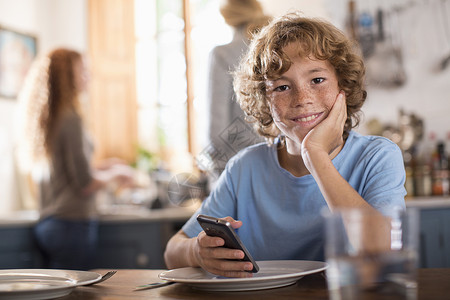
48 92
244 13
266 60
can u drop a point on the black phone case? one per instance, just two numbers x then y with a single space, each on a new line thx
220 228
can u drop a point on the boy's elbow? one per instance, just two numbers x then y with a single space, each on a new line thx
168 257
168 254
175 251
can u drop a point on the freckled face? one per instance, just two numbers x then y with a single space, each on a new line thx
303 96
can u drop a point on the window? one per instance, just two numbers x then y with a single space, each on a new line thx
162 78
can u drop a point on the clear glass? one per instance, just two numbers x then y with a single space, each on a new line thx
368 251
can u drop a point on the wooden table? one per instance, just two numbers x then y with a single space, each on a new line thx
434 284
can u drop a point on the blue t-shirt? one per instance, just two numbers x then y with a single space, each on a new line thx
282 214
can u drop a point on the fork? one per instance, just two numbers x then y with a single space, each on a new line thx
107 275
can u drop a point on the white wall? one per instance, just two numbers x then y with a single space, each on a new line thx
308 7
427 91
55 23
424 40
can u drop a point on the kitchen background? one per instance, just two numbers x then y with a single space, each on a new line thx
406 69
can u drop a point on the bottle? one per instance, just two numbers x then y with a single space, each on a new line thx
440 171
427 180
424 169
444 171
409 182
447 148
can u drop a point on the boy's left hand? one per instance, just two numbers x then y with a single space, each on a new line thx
327 136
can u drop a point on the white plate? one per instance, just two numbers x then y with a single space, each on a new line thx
272 274
28 284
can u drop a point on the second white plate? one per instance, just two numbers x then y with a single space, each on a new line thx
28 284
272 274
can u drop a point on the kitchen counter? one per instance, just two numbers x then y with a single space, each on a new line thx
134 213
428 202
130 236
19 218
114 213
124 213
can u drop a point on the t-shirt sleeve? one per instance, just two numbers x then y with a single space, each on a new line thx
384 186
220 203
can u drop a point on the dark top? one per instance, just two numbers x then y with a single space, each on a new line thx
69 172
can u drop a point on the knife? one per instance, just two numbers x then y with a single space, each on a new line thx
153 285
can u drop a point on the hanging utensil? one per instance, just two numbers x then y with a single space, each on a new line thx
446 23
385 67
366 36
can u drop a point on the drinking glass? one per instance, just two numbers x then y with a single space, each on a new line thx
371 252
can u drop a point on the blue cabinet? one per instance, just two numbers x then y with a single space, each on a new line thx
17 248
130 245
122 245
435 238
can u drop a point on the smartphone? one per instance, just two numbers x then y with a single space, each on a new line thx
221 228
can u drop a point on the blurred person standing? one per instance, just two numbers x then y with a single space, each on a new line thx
227 130
56 147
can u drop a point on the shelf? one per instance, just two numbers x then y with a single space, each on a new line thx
428 202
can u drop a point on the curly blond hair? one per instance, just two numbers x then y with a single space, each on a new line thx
266 60
48 92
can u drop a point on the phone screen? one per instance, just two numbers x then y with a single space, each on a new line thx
221 228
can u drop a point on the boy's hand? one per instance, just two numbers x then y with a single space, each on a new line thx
327 136
216 259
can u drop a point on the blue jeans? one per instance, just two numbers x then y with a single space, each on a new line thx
67 244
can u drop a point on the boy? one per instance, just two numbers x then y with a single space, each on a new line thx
301 84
